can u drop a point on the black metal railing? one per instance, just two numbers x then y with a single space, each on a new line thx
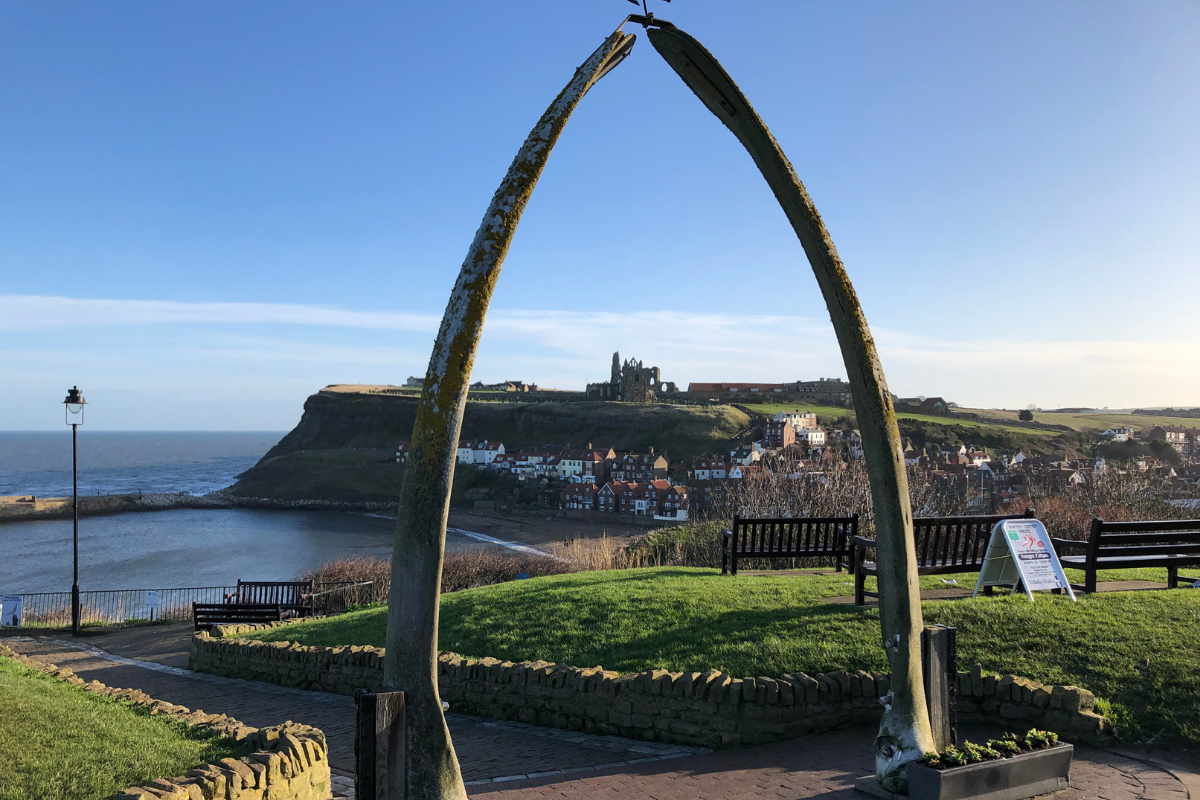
122 606
110 606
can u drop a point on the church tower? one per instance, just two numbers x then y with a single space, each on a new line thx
616 376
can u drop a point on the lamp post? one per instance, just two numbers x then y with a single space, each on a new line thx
74 415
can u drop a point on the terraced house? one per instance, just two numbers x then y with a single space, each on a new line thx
639 467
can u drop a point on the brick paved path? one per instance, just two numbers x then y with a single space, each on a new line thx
815 767
585 767
487 749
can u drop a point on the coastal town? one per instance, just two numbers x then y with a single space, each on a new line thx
794 444
601 479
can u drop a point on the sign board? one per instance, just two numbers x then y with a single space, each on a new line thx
10 610
1020 553
152 598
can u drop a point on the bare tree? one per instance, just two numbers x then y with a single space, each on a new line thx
412 635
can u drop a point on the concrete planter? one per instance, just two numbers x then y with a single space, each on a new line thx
1025 775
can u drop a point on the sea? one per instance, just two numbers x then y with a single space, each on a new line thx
167 549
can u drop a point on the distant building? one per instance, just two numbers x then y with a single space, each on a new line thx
631 382
813 437
744 456
414 383
709 469
580 495
1120 434
639 467
798 419
1174 436
779 434
482 453
402 452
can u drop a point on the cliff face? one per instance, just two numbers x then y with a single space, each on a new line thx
335 421
344 447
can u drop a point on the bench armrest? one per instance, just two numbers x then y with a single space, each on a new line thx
862 541
726 533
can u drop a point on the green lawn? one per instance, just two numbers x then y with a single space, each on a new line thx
826 414
1093 422
970 423
1139 651
62 743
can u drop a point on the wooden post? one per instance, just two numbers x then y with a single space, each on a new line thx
939 656
379 745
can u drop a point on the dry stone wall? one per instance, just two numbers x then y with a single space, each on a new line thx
710 709
288 762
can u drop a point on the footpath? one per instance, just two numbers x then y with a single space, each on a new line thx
512 761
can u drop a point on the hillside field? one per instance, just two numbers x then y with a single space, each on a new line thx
1095 423
829 414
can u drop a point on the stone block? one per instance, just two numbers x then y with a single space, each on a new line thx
704 683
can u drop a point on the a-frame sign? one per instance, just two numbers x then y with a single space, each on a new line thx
1020 553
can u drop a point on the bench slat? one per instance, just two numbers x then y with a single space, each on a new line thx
1143 526
1108 539
1149 550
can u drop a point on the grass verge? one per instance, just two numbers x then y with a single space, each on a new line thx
1140 651
61 743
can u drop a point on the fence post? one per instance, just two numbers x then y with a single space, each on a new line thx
379 745
939 657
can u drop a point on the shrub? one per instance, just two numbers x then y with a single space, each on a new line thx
466 569
1006 747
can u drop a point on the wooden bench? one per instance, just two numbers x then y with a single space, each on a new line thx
803 537
206 615
293 596
944 545
1171 543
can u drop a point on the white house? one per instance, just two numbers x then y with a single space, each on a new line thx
798 419
814 437
744 456
709 469
1121 434
486 452
479 452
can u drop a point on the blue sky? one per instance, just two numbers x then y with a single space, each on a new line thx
209 211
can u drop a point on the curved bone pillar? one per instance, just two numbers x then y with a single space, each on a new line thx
411 661
904 733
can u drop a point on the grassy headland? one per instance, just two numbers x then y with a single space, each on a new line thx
344 446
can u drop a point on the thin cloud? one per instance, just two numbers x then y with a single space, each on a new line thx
566 349
36 312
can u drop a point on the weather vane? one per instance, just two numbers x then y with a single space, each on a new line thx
647 19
